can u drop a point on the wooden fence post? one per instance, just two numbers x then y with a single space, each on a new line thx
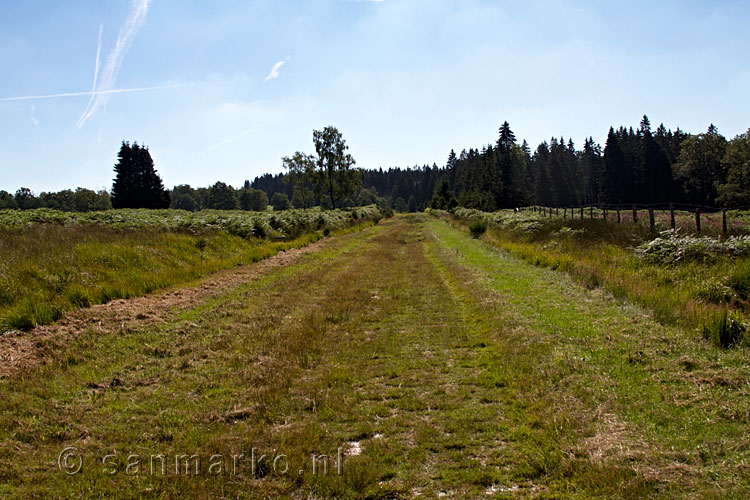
651 221
591 212
604 213
565 213
671 216
618 215
698 219
581 213
635 214
724 221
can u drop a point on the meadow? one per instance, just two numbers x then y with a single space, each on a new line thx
52 261
700 281
423 361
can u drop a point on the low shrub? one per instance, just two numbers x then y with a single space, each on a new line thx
716 292
478 228
670 248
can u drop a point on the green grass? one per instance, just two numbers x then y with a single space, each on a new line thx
453 369
47 268
695 294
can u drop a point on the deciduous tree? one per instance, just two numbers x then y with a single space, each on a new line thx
334 176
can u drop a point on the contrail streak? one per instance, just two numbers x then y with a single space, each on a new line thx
231 139
96 67
88 92
101 124
114 61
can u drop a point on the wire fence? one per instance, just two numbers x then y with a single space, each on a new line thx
702 218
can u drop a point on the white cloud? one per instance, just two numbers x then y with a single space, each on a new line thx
275 70
136 18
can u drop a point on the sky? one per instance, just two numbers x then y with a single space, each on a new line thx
221 91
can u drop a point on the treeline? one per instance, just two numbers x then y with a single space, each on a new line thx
220 196
635 167
80 200
404 190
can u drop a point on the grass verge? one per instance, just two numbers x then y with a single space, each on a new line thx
698 294
48 269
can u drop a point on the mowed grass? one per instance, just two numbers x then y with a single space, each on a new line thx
47 269
438 365
701 295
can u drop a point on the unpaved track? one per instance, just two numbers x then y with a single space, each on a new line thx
21 350
438 365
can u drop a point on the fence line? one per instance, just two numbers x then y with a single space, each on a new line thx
635 208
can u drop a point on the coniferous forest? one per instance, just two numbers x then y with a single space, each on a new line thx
642 166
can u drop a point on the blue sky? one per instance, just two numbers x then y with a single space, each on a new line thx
403 80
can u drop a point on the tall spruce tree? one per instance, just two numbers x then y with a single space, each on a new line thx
617 171
137 185
655 166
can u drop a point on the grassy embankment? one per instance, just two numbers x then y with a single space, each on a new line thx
53 261
686 284
441 366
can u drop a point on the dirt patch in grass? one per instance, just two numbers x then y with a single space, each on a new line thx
24 350
612 441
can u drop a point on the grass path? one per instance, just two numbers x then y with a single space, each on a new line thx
432 363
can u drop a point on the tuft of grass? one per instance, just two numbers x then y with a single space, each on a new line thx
30 312
725 331
79 296
739 279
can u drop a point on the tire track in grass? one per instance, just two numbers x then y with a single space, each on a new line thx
423 418
170 386
438 365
